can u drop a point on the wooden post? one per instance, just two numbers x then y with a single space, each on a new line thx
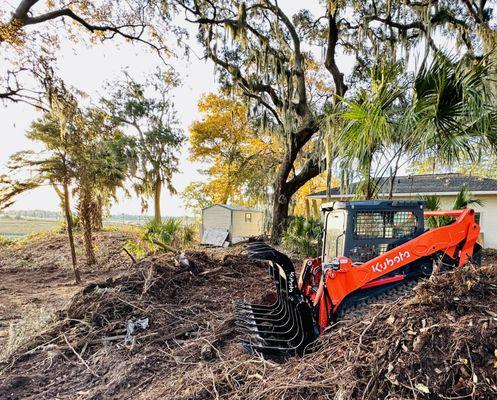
307 209
315 208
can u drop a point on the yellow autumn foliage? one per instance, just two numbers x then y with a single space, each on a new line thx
239 156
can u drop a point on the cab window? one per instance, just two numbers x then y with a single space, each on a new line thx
335 227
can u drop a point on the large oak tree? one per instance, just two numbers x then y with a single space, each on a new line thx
260 53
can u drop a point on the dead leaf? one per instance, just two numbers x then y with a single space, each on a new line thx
393 379
422 388
450 317
418 343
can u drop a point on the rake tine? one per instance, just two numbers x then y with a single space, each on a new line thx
278 345
257 312
284 327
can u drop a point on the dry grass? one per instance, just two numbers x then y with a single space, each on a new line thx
32 323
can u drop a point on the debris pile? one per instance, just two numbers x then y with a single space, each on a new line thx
128 333
165 330
441 343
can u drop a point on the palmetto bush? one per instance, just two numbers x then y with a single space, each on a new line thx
169 235
302 235
464 199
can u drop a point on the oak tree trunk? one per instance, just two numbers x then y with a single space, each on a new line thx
285 188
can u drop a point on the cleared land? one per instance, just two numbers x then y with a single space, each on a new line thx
439 343
13 228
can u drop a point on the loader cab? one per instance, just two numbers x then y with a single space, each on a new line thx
362 230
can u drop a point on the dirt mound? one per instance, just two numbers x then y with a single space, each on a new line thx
36 273
166 331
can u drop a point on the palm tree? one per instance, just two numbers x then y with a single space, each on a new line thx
463 199
370 124
453 108
449 113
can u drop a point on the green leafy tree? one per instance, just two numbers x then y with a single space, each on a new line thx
148 109
372 133
52 166
101 156
83 151
195 197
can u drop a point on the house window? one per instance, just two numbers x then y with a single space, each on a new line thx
248 217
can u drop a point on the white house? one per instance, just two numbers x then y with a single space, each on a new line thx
222 222
444 186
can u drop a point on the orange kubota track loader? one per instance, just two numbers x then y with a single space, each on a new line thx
370 249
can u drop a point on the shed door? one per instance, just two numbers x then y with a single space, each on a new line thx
216 217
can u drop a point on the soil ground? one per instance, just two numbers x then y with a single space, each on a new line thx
36 273
158 329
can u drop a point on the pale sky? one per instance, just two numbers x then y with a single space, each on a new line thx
88 68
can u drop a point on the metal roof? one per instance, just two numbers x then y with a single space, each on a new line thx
426 184
372 204
233 207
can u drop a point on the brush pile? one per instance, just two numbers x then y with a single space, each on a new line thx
166 331
441 343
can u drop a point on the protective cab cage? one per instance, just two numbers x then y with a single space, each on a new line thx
371 228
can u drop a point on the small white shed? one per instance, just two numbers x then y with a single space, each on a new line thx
222 222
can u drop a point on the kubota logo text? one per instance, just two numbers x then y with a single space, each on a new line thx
291 282
389 262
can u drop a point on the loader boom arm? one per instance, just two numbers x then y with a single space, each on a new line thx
455 240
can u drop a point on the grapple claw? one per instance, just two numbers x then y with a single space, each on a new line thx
285 327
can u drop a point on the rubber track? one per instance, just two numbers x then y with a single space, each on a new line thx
357 310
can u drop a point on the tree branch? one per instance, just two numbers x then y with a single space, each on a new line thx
246 87
330 62
21 17
302 105
309 170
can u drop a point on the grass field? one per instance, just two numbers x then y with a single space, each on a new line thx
15 228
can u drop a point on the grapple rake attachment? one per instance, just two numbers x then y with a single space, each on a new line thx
285 327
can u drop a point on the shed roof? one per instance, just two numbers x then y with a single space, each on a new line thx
233 207
426 184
